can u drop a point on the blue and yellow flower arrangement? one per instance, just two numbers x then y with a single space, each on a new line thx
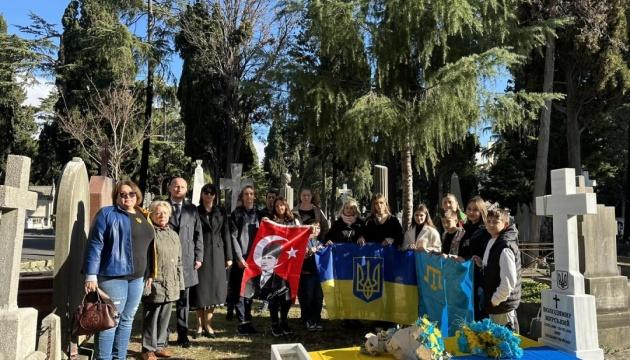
430 337
486 338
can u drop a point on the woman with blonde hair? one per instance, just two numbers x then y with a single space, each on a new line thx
348 228
381 226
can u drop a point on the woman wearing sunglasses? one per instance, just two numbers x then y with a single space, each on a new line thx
119 253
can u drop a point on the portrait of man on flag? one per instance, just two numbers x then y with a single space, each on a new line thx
274 265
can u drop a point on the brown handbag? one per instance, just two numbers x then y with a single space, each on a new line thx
96 313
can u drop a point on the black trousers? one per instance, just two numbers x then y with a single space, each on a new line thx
155 326
182 310
282 305
311 298
244 310
234 285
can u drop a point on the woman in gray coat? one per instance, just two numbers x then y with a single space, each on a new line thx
165 287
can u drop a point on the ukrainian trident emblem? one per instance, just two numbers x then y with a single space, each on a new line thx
367 279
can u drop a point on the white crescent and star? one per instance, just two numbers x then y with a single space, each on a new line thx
292 252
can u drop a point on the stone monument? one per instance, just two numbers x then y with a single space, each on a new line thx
344 193
73 226
381 180
198 182
101 188
50 336
569 319
598 263
286 191
235 184
19 325
456 190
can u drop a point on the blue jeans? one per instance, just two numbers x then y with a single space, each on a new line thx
126 294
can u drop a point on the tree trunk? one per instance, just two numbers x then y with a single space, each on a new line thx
626 216
542 152
333 185
574 155
407 188
148 110
323 198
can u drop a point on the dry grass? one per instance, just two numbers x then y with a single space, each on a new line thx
229 346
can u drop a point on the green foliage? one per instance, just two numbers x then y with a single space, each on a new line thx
531 290
17 125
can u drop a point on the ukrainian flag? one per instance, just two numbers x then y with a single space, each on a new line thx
369 282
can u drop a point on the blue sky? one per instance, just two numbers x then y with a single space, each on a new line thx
16 12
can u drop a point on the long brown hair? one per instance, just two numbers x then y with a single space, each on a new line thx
288 214
427 220
375 198
481 205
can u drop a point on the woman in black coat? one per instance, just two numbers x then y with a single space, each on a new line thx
348 227
212 288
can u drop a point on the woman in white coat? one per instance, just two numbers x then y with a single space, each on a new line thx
422 235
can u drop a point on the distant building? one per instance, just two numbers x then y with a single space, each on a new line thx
42 216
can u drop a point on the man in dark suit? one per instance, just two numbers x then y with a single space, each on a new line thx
185 222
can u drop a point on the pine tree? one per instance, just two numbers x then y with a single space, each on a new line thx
17 124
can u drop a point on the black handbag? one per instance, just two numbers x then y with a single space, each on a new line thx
96 313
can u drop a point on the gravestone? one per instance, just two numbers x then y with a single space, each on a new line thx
598 263
73 226
50 336
380 180
18 325
101 188
456 189
569 319
198 182
234 184
344 193
147 199
286 191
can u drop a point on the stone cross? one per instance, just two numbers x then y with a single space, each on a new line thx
198 182
568 318
19 325
565 205
344 193
15 200
234 184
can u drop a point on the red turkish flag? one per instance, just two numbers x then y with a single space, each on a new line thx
277 250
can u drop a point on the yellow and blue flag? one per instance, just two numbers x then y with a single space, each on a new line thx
445 288
369 282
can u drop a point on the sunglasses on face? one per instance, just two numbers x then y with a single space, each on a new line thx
124 195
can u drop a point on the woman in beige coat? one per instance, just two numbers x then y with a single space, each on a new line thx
165 287
422 235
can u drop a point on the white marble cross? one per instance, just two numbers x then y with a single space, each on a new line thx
564 205
15 200
344 193
234 184
198 182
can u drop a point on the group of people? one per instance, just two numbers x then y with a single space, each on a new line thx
177 252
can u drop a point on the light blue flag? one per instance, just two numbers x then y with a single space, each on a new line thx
445 290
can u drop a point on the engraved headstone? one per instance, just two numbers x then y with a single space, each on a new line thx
569 320
235 184
598 262
198 182
73 226
19 325
381 180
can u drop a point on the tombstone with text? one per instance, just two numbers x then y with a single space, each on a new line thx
569 319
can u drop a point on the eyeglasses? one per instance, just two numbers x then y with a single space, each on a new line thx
124 195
